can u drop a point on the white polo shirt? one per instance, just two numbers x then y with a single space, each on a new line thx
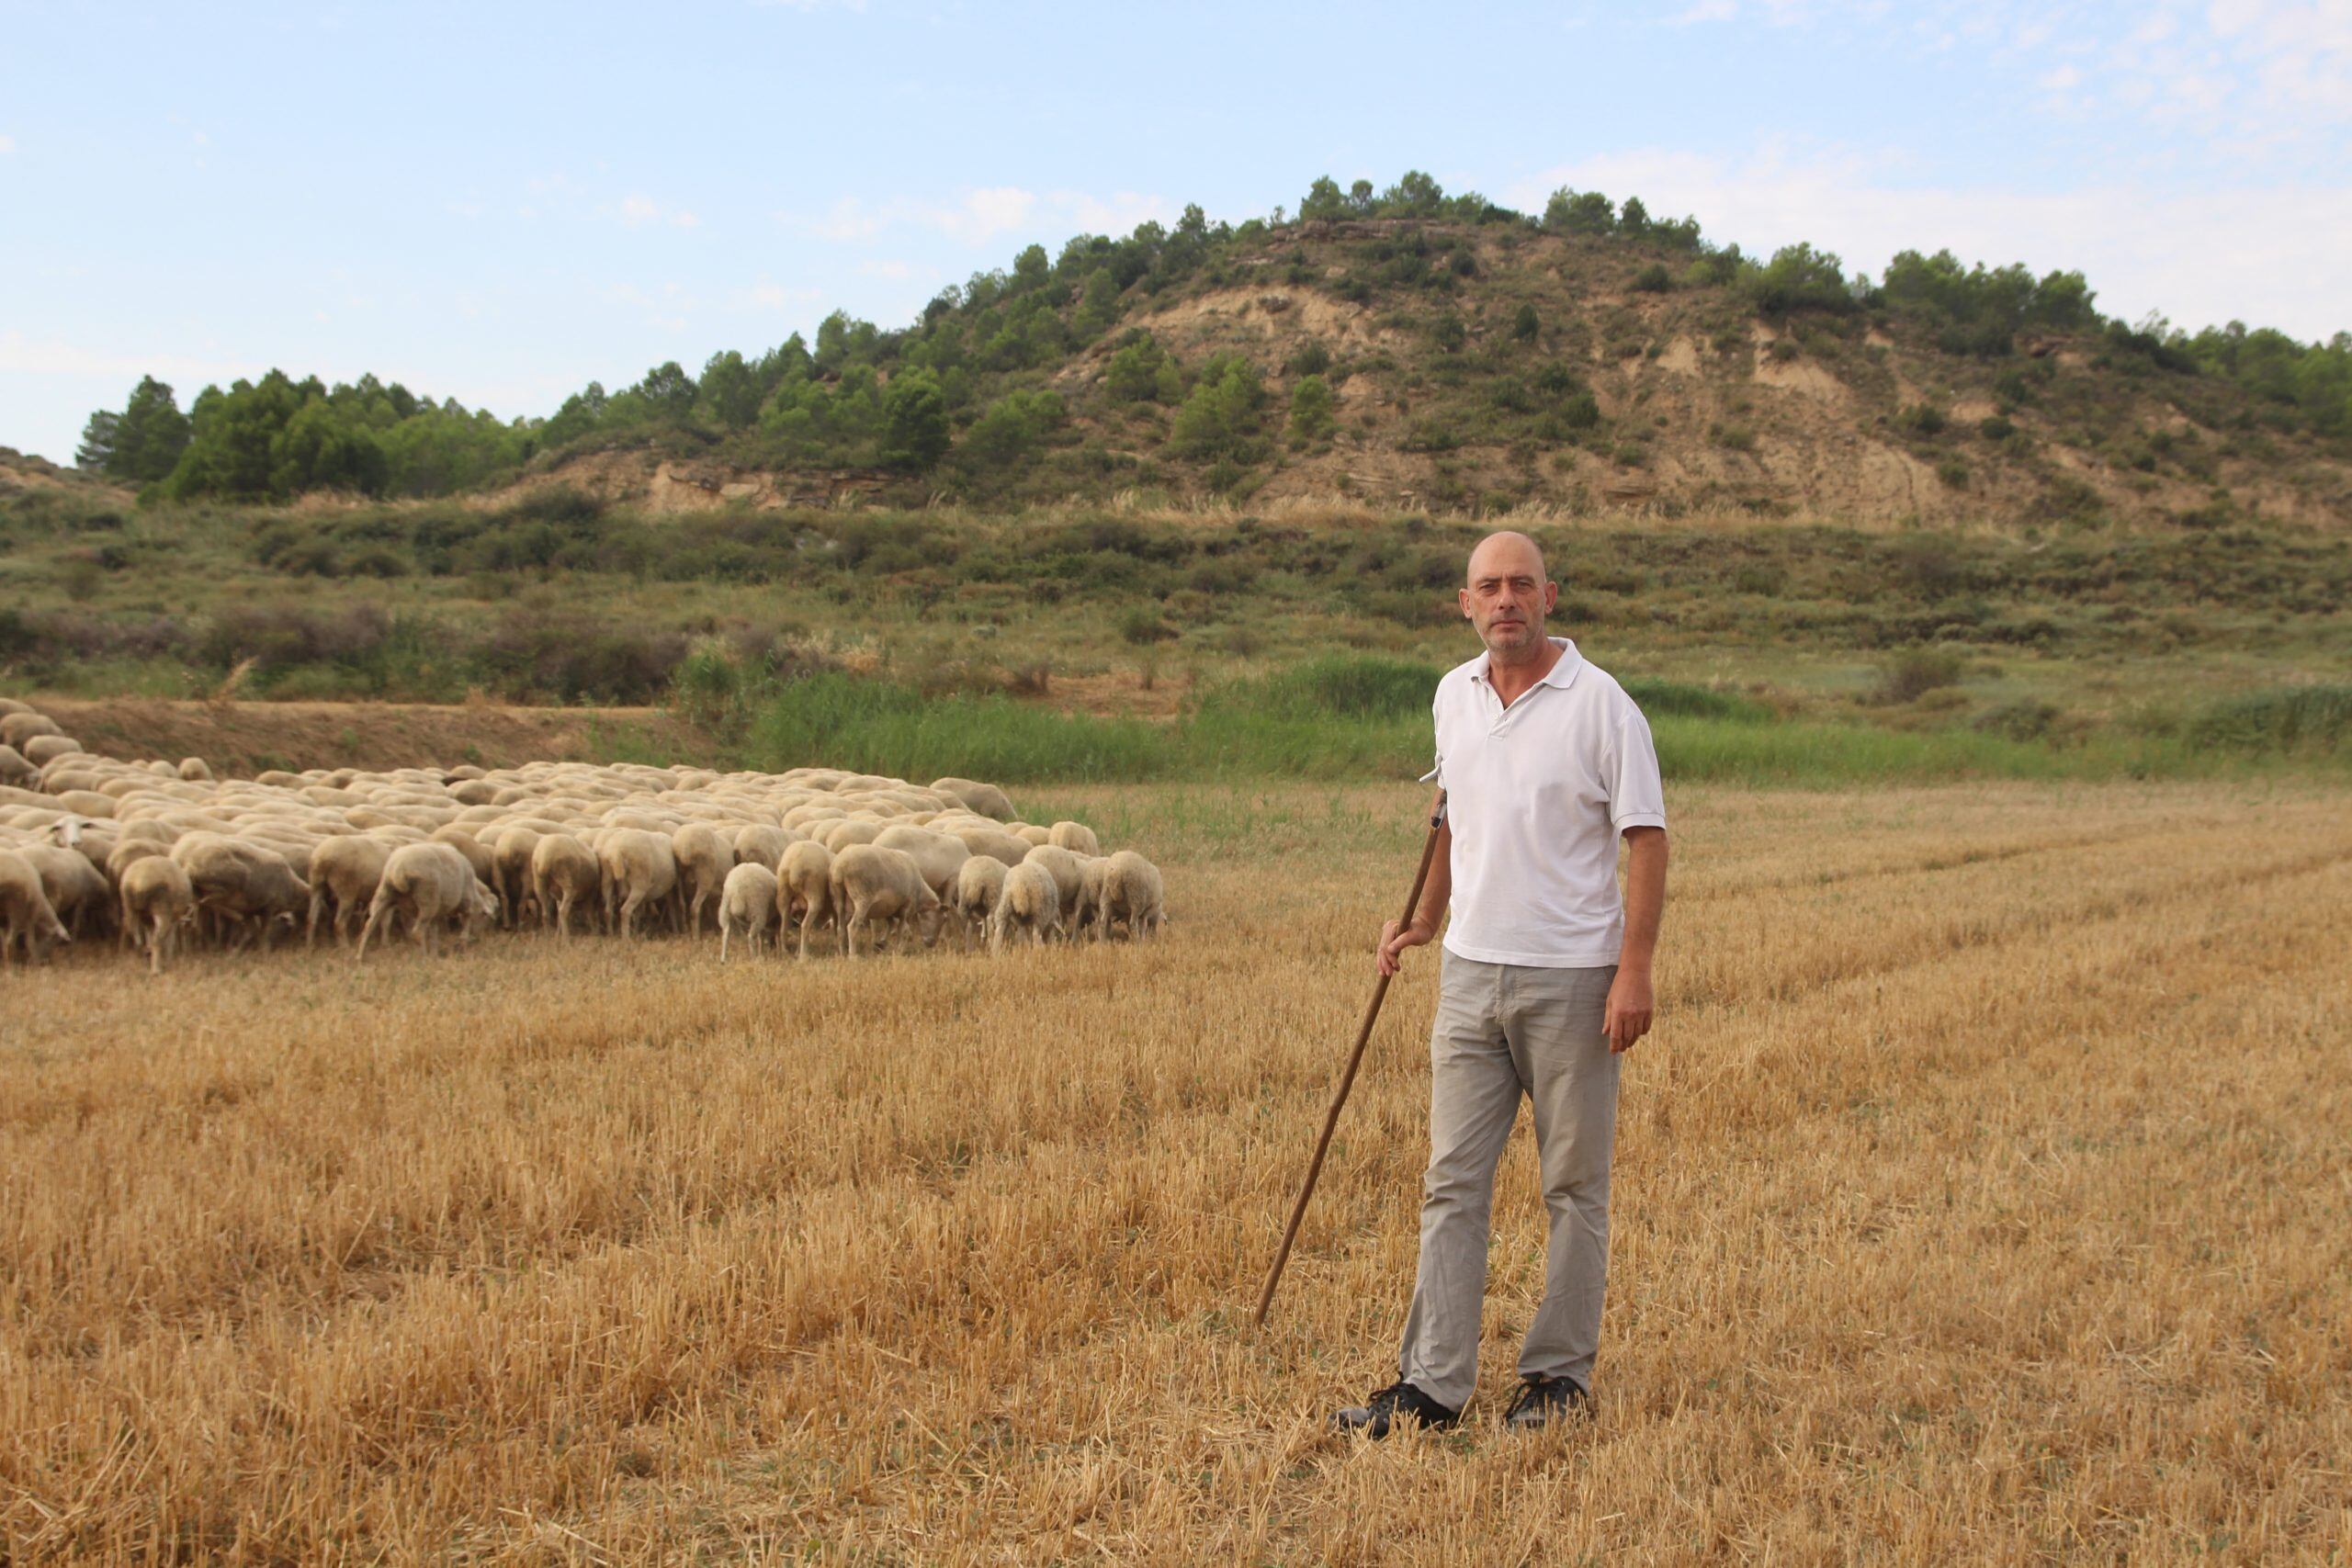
1537 794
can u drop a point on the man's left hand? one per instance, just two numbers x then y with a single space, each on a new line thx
1631 1008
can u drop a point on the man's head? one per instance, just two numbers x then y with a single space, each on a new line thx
1508 595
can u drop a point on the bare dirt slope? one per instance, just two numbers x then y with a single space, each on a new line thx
245 737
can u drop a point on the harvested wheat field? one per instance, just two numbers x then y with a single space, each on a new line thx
1982 1195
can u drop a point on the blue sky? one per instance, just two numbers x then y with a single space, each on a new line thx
500 202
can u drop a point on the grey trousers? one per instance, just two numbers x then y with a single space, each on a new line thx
1505 1029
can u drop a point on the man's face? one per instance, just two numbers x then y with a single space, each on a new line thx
1507 597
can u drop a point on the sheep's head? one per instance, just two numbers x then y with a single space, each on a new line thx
67 831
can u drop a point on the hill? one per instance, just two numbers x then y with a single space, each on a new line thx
1407 349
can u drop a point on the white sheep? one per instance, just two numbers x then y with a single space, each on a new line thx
563 871
40 750
978 883
1030 901
939 856
984 798
987 839
15 728
704 859
430 883
1131 892
26 919
157 899
639 869
509 856
1075 836
1068 868
77 891
747 903
345 872
874 886
804 887
760 844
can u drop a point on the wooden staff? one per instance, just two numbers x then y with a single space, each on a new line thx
1348 1078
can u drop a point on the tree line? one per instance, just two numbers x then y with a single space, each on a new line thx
959 393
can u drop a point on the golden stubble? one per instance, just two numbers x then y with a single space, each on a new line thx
1981 1196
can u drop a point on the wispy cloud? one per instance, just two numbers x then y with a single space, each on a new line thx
637 211
2262 73
2200 256
981 216
8 145
23 356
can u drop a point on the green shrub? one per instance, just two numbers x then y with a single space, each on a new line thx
2029 719
1312 413
1915 671
1654 279
1310 358
2282 719
1141 624
1953 473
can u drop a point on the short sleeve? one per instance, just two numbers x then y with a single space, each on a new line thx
1636 796
1436 775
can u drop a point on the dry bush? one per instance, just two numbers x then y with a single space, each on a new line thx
1981 1198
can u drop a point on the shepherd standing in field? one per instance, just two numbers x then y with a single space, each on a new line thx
1546 984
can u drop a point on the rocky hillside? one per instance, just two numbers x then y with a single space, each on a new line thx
1590 373
1408 349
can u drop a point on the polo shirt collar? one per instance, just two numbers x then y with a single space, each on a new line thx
1563 672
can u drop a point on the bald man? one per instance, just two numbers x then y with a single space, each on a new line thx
1546 985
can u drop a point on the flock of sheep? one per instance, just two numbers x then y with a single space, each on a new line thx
156 853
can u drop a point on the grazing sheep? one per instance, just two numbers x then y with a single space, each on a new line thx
1068 868
939 856
704 859
25 918
510 857
874 886
760 845
840 834
42 750
563 871
986 839
128 852
639 869
480 860
1031 834
804 885
14 768
746 904
241 883
1030 901
77 891
345 872
1075 836
157 899
193 770
974 795
1131 892
15 728
977 883
430 883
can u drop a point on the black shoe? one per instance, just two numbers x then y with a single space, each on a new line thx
1397 1401
1541 1401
